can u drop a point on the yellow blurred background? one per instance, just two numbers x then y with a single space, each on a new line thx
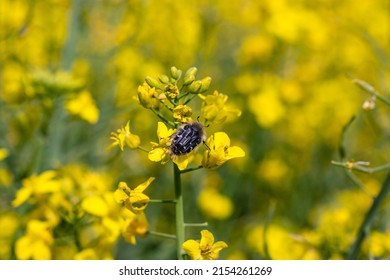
69 76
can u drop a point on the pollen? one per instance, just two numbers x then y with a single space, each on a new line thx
187 138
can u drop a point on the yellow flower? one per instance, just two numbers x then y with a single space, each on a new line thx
123 137
160 151
215 110
205 249
182 113
220 150
214 204
36 243
36 185
3 153
183 161
9 223
83 106
86 254
149 97
134 200
136 225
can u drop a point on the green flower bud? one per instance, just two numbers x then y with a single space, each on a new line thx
163 79
195 86
188 79
205 84
152 82
191 71
175 73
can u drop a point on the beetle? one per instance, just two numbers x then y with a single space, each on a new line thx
186 138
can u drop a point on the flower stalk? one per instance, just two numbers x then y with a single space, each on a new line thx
180 228
367 223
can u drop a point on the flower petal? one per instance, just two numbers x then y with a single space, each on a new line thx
95 205
218 246
157 154
234 152
144 185
221 139
192 249
207 240
181 161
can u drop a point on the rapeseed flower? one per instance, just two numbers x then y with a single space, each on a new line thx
133 199
220 151
214 204
36 244
182 113
205 249
83 106
123 137
36 186
215 110
160 151
133 226
149 97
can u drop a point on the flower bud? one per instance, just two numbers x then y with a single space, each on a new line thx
189 76
152 82
195 86
175 73
191 71
205 84
163 79
188 79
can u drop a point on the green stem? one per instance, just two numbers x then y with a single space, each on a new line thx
179 213
189 99
357 166
371 90
161 117
162 201
369 219
205 224
52 154
163 235
143 149
190 169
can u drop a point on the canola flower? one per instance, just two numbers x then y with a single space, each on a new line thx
215 110
220 150
123 137
36 243
64 199
83 106
205 248
134 200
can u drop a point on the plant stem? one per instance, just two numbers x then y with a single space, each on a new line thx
52 154
369 219
205 224
162 201
179 212
143 149
190 169
162 235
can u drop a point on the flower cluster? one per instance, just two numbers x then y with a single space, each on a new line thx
179 140
169 101
72 215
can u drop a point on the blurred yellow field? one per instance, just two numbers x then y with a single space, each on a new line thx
243 129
